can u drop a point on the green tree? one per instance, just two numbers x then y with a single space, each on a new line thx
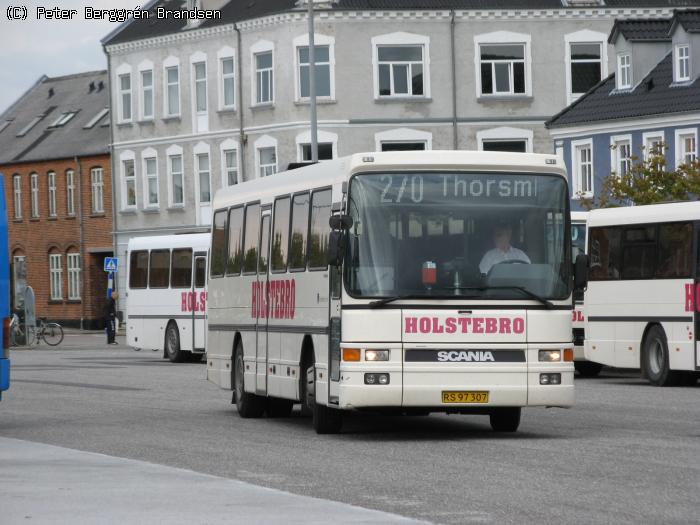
648 181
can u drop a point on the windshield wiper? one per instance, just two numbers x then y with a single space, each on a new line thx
522 289
387 300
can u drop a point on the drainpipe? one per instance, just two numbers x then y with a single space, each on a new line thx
81 226
242 139
113 161
455 141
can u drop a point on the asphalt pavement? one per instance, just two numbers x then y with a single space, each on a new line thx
627 453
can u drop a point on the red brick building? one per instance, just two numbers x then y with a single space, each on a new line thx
54 155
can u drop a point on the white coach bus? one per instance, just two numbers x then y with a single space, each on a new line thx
166 303
642 298
578 246
405 304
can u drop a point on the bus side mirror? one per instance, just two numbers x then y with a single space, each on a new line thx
336 247
581 272
340 222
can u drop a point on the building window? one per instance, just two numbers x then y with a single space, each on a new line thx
150 168
583 168
129 177
624 72
231 167
172 89
70 192
518 146
56 276
325 151
654 144
621 155
147 94
682 63
686 146
97 187
403 139
125 97
402 146
34 180
52 193
177 195
203 177
200 86
264 77
17 187
267 159
74 276
400 71
502 69
323 71
19 275
586 67
228 84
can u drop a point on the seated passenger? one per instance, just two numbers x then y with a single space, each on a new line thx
503 251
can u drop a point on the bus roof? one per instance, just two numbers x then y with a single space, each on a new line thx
196 241
670 212
339 170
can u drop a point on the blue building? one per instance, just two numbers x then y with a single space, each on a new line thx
652 98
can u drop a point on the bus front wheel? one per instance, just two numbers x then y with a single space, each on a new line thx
505 419
655 359
172 344
326 420
248 405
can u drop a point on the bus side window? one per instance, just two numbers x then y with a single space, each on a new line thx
280 235
200 272
319 231
605 250
675 250
264 250
250 241
159 269
299 232
181 263
639 252
218 244
138 269
235 237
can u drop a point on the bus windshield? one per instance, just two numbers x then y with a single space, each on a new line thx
458 235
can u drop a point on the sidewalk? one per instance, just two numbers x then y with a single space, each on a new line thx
54 485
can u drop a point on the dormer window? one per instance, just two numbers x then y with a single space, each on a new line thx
624 72
682 63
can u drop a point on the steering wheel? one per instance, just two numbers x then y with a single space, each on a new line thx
513 261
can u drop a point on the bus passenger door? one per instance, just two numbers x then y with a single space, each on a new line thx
199 312
263 308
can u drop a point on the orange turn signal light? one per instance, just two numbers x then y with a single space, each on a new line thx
568 354
351 354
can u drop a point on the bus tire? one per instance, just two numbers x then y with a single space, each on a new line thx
655 359
505 419
305 398
172 344
587 368
248 405
277 407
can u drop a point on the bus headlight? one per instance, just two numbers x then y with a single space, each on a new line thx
376 379
376 355
550 356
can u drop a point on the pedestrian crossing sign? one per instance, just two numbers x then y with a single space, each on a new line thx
111 264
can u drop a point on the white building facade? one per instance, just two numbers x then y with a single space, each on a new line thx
198 108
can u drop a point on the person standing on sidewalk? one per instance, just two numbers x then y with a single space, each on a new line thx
110 315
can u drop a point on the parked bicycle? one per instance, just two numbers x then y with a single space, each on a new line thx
51 333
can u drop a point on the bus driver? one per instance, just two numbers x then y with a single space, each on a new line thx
503 250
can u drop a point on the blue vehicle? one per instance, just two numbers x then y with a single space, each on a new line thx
4 293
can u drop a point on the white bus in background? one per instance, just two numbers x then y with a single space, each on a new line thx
389 310
643 296
166 303
578 246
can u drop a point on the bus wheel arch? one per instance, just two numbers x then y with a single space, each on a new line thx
307 359
237 339
654 358
248 405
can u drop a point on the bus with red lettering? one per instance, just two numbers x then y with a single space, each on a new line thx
643 299
166 297
584 367
397 282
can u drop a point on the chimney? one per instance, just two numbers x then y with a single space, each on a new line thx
100 86
51 92
92 87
